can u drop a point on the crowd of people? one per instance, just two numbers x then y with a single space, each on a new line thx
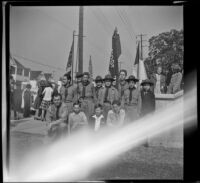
95 105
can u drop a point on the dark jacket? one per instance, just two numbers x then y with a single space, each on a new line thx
148 102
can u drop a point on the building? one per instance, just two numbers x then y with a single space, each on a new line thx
19 72
40 75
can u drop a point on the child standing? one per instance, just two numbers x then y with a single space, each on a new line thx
48 91
148 101
39 97
148 98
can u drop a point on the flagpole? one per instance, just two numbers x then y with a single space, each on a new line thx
73 59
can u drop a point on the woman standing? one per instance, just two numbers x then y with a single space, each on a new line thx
27 101
39 97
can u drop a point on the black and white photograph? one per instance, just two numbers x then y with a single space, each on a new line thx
94 93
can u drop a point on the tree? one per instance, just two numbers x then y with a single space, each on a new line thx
165 49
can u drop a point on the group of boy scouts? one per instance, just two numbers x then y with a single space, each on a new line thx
84 104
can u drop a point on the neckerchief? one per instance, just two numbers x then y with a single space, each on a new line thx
130 94
106 92
84 86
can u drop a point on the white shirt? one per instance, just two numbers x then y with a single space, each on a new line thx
97 122
114 119
47 93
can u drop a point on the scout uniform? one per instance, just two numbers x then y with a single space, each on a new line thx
107 95
87 97
76 87
97 88
122 87
67 93
131 101
148 99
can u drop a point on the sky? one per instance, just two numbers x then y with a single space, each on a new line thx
41 37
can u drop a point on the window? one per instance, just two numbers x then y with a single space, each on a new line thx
12 70
26 72
19 71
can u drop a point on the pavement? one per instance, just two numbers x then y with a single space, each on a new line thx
154 162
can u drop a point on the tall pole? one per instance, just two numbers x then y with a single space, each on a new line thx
73 59
80 40
141 44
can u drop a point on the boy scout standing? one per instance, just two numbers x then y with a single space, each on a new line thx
131 100
108 94
87 95
99 87
123 85
67 92
76 86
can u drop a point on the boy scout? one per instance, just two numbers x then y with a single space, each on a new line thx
131 100
108 94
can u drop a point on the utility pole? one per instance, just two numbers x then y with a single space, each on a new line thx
80 40
73 57
141 44
90 68
120 63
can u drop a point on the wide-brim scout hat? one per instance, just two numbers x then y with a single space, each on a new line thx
132 78
86 73
108 77
98 78
147 81
79 75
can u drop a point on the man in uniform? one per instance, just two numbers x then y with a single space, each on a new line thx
131 100
56 117
99 86
86 91
108 94
67 92
123 85
77 85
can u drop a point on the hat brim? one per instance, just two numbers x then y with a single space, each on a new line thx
101 80
108 79
136 80
150 83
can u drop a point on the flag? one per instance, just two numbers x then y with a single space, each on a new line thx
137 56
139 69
115 53
70 60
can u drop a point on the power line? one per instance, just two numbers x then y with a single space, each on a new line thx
141 43
110 26
130 25
124 22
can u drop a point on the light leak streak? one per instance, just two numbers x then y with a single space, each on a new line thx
73 158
